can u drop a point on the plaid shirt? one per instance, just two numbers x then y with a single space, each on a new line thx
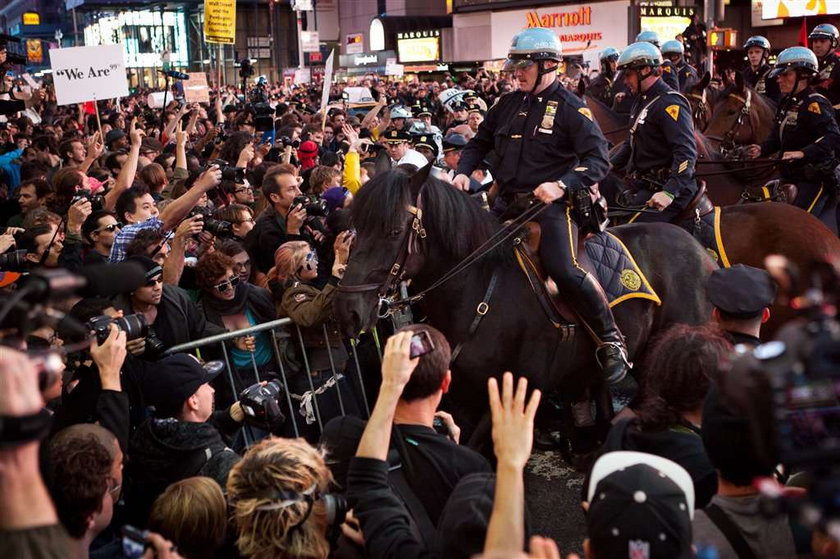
124 237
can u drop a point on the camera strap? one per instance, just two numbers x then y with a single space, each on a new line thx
421 525
15 431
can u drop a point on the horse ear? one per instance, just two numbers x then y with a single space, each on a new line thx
581 87
383 162
704 83
418 179
739 82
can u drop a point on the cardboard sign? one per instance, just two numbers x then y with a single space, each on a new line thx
88 73
220 21
196 89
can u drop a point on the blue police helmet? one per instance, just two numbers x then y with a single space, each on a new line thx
536 43
609 53
639 55
825 31
757 41
799 58
648 37
673 47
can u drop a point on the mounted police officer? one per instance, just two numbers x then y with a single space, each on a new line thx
824 41
805 133
660 155
669 72
674 51
757 69
601 87
548 144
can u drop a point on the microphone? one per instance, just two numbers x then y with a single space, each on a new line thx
104 280
175 75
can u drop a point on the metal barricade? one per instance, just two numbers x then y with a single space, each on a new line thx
285 339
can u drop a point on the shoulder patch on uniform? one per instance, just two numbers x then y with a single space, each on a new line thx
815 108
585 112
673 111
666 68
301 297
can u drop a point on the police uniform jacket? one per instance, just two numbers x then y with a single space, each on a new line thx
759 81
602 88
669 75
661 139
539 138
804 122
311 309
828 79
625 105
687 75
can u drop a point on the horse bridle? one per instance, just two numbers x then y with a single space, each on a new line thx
397 272
727 142
699 112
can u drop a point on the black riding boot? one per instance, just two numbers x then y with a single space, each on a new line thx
591 303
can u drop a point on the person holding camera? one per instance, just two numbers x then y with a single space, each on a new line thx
292 283
280 222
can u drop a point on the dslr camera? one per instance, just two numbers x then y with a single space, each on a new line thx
14 261
285 141
134 326
312 203
261 405
229 173
97 201
216 227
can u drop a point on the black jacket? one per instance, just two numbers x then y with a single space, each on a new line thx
268 234
829 79
661 139
164 451
758 80
539 138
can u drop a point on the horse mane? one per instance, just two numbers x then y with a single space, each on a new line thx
454 221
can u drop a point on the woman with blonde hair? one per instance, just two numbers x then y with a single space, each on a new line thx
292 282
277 495
192 513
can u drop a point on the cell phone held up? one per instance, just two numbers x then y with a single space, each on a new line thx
421 344
134 542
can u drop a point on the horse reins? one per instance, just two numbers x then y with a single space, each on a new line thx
699 112
397 271
727 142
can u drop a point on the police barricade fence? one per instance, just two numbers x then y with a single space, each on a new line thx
290 357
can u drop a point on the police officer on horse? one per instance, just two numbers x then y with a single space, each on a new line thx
548 146
669 72
757 70
824 40
806 134
660 155
674 51
602 86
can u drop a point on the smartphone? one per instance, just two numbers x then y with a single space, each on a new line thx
421 344
133 541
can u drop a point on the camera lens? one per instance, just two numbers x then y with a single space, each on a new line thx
14 261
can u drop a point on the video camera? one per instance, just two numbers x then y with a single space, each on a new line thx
261 405
259 106
215 227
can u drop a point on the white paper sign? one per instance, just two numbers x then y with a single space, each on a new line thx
309 41
303 75
85 74
196 89
328 71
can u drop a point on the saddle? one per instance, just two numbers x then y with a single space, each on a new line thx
698 206
772 191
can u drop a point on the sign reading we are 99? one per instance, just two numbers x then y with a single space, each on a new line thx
83 74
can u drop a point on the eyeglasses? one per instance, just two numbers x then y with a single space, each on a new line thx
114 488
109 228
244 189
227 284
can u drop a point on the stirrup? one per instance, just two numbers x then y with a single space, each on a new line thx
616 371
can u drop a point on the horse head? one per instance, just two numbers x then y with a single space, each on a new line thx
740 116
701 106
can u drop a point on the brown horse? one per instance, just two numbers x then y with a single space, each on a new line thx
702 98
614 126
740 117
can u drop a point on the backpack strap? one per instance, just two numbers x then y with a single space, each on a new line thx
422 527
730 531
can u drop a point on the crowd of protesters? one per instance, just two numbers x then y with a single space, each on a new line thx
234 224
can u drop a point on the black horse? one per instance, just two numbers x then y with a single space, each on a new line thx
515 334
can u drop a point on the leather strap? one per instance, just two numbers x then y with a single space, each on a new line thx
730 531
422 525
482 309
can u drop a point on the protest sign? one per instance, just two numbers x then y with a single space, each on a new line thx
328 72
196 89
88 73
303 75
220 21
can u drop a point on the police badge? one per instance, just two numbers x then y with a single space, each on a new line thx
547 124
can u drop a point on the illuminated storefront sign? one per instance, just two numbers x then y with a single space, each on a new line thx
418 46
145 36
666 21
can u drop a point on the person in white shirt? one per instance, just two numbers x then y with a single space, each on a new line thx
400 152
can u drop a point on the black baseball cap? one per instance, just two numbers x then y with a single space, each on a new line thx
640 505
179 377
740 291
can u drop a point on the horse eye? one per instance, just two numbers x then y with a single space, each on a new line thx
396 232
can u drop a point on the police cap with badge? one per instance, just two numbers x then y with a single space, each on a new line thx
426 141
421 109
741 292
458 106
396 137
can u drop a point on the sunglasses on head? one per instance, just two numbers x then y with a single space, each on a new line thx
228 284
